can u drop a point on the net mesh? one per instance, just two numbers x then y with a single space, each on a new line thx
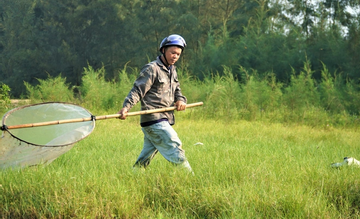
30 146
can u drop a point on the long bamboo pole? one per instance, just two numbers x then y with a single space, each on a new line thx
166 109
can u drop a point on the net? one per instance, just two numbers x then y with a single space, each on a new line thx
39 133
43 144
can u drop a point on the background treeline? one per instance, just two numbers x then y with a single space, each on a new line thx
41 38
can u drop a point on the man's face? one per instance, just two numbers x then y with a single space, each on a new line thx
172 54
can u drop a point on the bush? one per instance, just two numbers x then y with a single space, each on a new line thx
222 95
96 93
50 90
331 96
4 96
99 94
259 96
331 102
302 92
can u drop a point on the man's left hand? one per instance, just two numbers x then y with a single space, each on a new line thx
180 105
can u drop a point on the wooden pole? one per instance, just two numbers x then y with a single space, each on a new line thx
166 109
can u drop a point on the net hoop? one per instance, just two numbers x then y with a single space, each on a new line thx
41 145
11 132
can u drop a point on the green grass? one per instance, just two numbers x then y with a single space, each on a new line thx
242 170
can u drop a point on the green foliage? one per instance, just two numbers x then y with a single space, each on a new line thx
126 80
307 124
352 97
259 96
302 92
4 96
332 102
330 90
222 95
50 90
96 92
41 38
99 94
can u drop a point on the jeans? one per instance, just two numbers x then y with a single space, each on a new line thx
161 137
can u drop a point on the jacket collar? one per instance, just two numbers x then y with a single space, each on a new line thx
162 65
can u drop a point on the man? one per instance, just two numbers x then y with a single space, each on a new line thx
157 87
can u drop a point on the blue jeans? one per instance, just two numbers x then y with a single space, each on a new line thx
161 137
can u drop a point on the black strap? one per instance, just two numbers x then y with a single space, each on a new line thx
3 128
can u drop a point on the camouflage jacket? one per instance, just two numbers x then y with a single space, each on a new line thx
156 87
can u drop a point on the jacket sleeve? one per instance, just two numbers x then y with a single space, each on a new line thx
178 94
141 86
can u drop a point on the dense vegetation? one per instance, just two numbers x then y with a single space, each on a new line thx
275 166
328 103
4 95
46 38
280 86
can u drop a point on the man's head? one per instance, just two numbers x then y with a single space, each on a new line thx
171 48
172 40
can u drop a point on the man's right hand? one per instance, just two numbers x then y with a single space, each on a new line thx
123 113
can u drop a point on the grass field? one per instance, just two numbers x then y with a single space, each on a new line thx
242 170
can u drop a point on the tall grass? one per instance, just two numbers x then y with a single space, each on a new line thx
242 170
266 153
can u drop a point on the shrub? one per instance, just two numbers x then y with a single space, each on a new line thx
4 96
259 96
50 90
96 92
331 98
222 95
301 94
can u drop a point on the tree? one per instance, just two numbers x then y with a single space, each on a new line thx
303 12
337 11
19 40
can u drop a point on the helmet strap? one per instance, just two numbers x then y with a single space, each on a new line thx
163 54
